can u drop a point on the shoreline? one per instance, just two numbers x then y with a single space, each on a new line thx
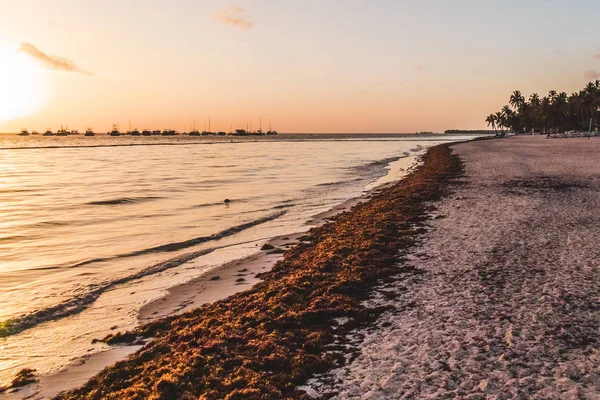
411 194
202 290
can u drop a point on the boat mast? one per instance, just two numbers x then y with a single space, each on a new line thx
209 124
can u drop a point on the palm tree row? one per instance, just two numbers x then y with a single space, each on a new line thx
556 112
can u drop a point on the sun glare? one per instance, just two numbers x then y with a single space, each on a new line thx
21 91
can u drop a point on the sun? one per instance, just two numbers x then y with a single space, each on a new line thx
21 89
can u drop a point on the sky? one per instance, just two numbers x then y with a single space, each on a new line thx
306 65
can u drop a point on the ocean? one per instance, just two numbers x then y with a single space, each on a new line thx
92 228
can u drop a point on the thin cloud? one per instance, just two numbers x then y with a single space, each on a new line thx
49 61
597 55
591 74
235 16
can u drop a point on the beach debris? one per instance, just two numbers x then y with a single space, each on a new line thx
226 201
267 246
215 278
23 378
240 280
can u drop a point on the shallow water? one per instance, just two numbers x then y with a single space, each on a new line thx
92 228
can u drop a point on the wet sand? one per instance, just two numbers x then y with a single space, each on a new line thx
218 283
508 301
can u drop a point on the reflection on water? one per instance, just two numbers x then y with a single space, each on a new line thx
88 234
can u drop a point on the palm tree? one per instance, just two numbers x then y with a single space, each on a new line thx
501 122
556 111
491 121
516 99
534 99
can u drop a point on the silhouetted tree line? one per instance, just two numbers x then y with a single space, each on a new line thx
556 112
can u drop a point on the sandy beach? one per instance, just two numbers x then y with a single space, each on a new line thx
476 277
507 302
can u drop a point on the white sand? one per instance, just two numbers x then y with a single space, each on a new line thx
508 305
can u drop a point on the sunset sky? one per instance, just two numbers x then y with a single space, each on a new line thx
307 65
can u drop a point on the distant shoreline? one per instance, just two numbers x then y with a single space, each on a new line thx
447 132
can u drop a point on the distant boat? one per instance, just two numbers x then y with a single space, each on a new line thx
24 132
62 132
271 132
146 132
48 133
75 132
115 131
208 132
156 133
135 132
221 133
194 131
240 132
35 133
89 132
169 132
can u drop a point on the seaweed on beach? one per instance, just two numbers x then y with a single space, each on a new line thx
264 342
24 377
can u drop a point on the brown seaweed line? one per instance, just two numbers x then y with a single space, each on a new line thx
264 342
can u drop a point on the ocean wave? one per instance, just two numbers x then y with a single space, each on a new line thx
339 183
51 223
175 246
122 200
282 206
377 165
13 239
81 301
204 205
